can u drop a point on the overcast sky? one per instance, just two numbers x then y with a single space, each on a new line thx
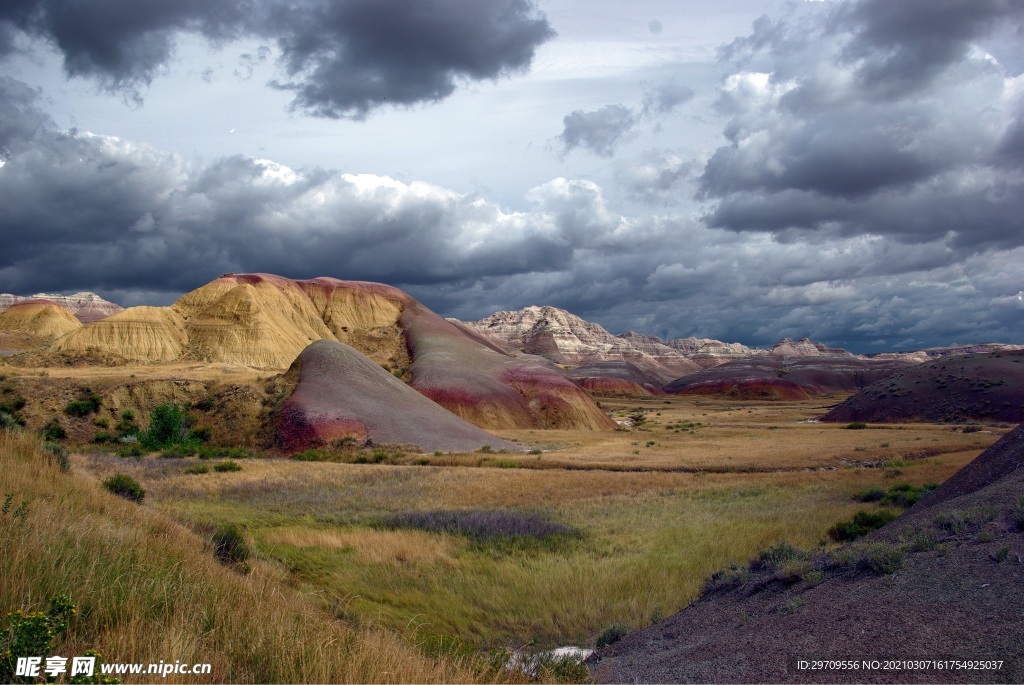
851 171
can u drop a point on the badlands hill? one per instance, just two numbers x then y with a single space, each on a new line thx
39 317
565 338
86 307
266 321
973 387
941 581
770 377
340 392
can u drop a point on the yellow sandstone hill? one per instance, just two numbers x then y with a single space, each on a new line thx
147 334
41 319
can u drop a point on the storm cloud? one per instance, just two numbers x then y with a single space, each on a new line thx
872 118
341 59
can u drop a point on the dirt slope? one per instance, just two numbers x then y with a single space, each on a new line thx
973 387
341 392
616 379
953 590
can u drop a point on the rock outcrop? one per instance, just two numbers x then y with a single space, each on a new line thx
341 393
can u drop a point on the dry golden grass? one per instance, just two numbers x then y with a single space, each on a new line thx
149 590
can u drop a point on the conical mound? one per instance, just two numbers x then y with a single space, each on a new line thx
40 318
342 393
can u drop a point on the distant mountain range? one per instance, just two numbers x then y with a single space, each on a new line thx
566 339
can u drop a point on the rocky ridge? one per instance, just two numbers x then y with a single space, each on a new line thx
565 338
86 306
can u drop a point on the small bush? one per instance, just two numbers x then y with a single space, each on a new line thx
8 422
54 431
230 545
60 456
880 558
855 426
102 437
202 433
611 635
32 634
862 523
87 403
227 466
727 579
872 495
196 469
125 486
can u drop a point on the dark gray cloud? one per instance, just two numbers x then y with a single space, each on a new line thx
342 59
899 48
346 58
598 131
886 119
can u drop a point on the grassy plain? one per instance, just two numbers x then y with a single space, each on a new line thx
703 484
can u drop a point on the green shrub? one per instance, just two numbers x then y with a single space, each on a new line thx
611 635
872 495
230 545
862 523
227 466
32 634
125 486
907 495
54 431
87 403
1018 513
168 425
11 407
856 425
102 437
196 469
